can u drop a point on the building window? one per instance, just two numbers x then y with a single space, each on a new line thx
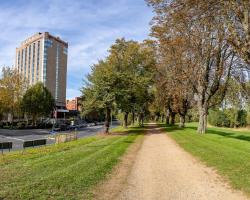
57 70
37 63
22 61
65 51
48 43
29 63
25 62
33 63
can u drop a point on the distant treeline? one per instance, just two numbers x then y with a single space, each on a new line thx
229 118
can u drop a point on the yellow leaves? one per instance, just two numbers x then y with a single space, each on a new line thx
12 88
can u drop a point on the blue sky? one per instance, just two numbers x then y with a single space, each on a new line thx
89 26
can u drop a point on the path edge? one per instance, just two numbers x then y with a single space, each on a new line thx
113 184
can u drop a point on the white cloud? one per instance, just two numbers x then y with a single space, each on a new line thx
89 26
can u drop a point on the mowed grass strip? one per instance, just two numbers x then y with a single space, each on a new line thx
65 171
227 151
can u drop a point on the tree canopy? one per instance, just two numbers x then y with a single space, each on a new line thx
38 101
201 45
121 81
12 88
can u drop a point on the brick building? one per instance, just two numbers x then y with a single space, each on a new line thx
73 104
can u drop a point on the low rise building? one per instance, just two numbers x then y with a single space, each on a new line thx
74 104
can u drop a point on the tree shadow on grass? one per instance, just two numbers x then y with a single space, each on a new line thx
126 141
131 131
100 146
137 130
224 133
97 146
170 128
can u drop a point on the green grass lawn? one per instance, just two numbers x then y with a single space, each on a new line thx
227 151
65 171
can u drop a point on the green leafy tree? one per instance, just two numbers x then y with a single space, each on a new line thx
133 64
38 102
121 81
100 90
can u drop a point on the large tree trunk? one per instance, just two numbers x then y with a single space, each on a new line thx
162 118
11 119
172 114
167 117
133 117
141 119
182 121
235 118
107 120
26 119
125 124
183 112
202 119
33 120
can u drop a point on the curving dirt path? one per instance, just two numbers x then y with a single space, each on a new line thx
162 171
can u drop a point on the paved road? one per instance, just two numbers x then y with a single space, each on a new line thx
19 136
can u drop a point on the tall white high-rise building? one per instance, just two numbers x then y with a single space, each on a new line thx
43 58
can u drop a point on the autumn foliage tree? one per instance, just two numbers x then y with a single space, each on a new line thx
12 88
174 87
193 38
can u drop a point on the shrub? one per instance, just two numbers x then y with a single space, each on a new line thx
193 115
120 117
241 118
20 125
231 115
218 118
248 118
228 118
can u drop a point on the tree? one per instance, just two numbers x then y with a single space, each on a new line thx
209 59
133 64
235 101
121 80
38 102
237 21
99 90
235 17
12 88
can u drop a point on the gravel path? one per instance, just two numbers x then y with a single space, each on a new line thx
163 171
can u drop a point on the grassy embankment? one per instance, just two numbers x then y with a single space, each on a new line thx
226 150
65 171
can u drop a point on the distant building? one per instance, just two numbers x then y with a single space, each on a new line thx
43 58
74 104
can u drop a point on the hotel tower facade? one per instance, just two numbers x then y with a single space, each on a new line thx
43 58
